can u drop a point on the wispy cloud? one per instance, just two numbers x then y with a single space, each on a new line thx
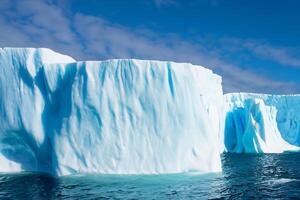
90 37
277 54
114 41
38 24
287 56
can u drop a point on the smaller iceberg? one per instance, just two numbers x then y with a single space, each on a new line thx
259 123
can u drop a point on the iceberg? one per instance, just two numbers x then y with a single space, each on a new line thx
120 116
129 116
260 123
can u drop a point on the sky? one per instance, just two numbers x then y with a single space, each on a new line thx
254 45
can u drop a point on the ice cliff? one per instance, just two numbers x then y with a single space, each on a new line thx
117 116
260 123
128 116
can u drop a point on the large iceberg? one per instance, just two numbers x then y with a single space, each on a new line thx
121 116
128 116
260 123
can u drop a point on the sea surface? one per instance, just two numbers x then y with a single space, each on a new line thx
247 176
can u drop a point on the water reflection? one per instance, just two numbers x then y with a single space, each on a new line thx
28 186
244 177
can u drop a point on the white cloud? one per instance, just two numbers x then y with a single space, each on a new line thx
283 55
37 24
277 54
90 37
112 41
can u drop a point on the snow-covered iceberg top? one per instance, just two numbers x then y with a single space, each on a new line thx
122 116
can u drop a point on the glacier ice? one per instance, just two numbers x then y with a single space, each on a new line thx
128 116
260 123
121 116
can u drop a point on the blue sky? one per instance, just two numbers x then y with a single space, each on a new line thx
254 45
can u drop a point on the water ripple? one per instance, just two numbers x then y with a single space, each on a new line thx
253 176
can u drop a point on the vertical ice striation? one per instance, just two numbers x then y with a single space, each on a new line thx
128 116
24 143
257 123
117 116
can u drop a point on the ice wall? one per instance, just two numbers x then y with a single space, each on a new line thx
259 123
116 116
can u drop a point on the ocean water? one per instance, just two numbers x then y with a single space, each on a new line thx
244 176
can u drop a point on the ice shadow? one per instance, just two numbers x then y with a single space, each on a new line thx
19 145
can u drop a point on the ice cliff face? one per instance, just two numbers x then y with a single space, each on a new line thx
257 123
130 116
116 116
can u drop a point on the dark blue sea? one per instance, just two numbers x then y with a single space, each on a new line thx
244 176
